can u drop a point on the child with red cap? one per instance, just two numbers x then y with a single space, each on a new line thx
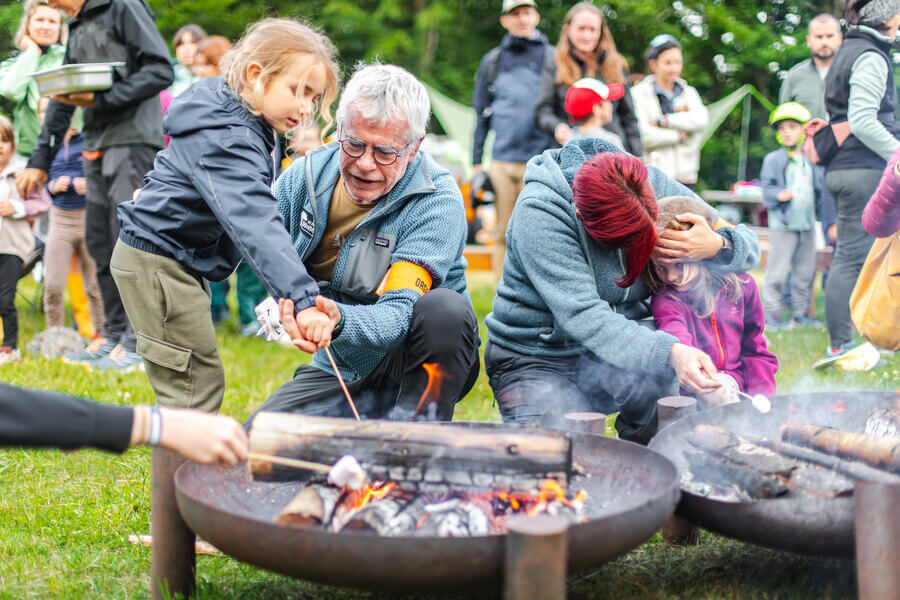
589 104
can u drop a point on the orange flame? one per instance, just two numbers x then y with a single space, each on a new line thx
839 407
366 495
432 391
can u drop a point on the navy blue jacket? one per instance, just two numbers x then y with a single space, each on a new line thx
208 200
511 114
773 181
67 162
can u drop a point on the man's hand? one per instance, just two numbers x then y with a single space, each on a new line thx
832 234
60 184
694 368
289 322
28 181
82 99
80 184
699 242
785 196
6 208
562 133
203 438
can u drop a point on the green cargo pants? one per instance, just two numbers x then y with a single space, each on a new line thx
169 310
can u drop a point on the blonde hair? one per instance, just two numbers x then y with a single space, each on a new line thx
700 281
30 7
274 44
604 61
7 132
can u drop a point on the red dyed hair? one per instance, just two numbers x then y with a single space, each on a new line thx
617 206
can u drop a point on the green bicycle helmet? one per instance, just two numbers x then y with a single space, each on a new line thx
789 110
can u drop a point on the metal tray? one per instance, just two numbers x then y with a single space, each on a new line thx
69 79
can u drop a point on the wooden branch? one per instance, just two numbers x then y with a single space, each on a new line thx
883 453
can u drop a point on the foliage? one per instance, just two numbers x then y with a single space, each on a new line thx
727 43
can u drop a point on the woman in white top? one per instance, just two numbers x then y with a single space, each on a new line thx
670 113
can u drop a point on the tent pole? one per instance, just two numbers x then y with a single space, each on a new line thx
745 139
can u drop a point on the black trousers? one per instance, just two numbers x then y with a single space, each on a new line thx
111 180
443 330
541 390
10 270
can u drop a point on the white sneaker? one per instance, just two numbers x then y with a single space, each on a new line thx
8 354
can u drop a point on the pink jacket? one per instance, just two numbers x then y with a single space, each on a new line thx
881 216
15 231
732 335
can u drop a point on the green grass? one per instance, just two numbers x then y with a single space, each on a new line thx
65 518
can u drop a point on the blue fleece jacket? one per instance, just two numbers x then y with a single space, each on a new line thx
558 295
511 113
421 221
208 200
67 163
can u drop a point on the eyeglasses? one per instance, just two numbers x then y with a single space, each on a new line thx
383 155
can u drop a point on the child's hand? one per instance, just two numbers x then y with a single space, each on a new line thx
6 208
61 184
785 196
80 184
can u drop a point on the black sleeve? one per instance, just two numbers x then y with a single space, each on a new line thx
479 105
56 123
150 65
549 114
35 418
628 123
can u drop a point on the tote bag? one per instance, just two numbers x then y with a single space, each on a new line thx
875 302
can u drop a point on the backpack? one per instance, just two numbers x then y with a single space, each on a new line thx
492 64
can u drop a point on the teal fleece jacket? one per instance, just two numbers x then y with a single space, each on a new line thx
421 221
558 295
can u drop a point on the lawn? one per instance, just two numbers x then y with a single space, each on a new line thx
65 518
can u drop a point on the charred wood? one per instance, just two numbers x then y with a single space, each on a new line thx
883 422
312 506
428 456
718 472
883 453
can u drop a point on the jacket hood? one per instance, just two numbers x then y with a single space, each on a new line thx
556 168
210 104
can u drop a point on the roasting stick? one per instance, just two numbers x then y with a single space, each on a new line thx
341 381
759 402
290 462
346 472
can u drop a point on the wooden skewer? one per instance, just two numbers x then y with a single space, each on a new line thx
341 381
290 462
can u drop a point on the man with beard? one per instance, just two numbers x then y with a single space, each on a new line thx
805 83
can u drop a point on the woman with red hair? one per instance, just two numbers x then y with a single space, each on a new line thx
570 328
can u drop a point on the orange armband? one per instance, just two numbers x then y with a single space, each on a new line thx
722 223
405 276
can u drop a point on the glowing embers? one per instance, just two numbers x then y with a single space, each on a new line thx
389 510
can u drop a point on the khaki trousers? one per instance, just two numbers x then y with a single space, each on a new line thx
507 179
169 310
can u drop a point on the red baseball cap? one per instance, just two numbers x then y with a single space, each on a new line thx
585 93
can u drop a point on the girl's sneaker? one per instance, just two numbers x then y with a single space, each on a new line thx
8 354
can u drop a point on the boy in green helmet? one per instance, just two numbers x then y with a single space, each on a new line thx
795 195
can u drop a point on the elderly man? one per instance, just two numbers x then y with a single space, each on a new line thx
805 82
382 229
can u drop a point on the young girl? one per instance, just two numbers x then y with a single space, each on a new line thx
16 240
719 313
208 204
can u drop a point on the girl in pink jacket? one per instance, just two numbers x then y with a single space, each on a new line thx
881 216
714 311
16 239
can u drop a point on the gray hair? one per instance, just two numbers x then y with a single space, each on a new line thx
386 94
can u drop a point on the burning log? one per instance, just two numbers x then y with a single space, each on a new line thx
313 505
883 453
422 456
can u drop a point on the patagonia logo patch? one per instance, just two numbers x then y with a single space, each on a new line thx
306 224
383 242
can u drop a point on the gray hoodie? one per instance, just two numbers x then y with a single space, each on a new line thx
558 295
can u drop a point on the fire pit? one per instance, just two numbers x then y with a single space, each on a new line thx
629 492
809 509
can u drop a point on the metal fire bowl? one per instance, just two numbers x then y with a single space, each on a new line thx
631 492
798 524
